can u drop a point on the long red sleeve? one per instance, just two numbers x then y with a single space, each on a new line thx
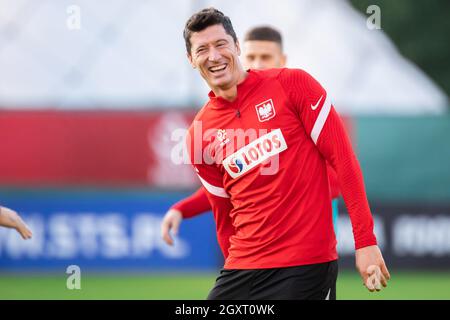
335 145
322 122
195 204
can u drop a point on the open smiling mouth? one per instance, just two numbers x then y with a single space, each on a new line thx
218 68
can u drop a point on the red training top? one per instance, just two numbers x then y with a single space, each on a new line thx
262 159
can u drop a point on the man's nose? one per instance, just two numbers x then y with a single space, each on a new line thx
214 55
258 64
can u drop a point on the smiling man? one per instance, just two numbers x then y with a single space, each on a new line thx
262 49
272 186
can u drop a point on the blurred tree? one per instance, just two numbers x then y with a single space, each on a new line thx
421 31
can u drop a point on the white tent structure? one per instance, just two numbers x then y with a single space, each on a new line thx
130 54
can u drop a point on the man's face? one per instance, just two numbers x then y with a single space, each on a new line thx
216 56
263 55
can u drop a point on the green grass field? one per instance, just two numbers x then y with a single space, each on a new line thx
403 285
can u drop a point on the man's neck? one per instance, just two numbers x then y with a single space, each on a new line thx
230 94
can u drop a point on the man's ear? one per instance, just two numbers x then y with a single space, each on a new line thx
191 61
238 47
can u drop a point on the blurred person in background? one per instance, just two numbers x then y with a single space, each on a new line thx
11 219
262 49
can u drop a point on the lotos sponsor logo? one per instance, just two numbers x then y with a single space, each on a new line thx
255 153
236 165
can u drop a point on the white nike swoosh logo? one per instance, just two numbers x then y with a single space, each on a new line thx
328 295
314 107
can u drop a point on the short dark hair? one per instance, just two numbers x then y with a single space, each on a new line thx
264 33
204 19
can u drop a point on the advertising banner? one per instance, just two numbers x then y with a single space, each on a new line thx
105 230
410 236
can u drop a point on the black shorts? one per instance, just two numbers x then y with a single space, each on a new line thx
308 282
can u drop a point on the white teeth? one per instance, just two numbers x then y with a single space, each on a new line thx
218 68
